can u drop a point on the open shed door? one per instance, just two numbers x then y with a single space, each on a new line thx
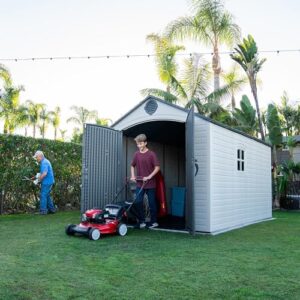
190 172
101 166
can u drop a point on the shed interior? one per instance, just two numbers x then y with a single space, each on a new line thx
167 140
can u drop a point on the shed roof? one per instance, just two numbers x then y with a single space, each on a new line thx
295 137
186 110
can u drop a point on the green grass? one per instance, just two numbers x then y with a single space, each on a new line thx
39 261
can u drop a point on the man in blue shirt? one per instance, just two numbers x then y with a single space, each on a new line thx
46 178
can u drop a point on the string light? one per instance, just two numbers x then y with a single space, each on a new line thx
134 55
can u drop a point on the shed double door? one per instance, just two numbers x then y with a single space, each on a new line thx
103 173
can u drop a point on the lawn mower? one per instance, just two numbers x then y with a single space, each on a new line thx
110 220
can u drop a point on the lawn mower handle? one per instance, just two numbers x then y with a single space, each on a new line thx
125 185
136 196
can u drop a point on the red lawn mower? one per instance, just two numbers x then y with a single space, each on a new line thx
96 222
110 220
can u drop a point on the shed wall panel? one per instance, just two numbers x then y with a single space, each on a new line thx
202 197
238 197
296 154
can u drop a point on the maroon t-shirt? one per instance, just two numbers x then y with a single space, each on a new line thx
145 164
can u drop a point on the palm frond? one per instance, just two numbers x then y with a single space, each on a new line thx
160 94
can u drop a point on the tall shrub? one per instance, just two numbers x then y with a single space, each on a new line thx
16 162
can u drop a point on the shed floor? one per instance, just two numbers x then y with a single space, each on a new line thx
171 222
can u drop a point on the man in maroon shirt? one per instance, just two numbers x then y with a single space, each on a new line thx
146 165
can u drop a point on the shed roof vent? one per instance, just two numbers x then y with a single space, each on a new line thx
151 107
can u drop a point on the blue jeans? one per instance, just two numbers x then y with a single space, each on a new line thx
139 203
46 202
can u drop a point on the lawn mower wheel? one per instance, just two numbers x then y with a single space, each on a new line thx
69 229
122 229
94 234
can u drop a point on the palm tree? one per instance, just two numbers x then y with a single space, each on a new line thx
297 120
24 118
211 24
82 115
275 137
76 136
103 121
194 81
233 83
288 113
264 120
247 58
192 86
192 89
5 75
165 58
55 120
9 103
245 117
291 144
34 110
63 133
45 118
167 96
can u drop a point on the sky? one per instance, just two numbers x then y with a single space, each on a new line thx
82 28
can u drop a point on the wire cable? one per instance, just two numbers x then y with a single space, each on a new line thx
133 55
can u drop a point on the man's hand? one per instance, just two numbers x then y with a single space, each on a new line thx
37 176
146 178
133 178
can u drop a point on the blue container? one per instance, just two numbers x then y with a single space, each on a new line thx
178 201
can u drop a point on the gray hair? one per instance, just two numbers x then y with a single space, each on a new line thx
38 153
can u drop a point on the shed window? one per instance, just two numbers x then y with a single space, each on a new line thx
240 160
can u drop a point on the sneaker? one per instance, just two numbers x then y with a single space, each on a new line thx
142 225
154 225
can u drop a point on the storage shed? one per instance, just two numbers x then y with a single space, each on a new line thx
226 174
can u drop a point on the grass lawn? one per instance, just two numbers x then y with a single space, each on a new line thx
39 261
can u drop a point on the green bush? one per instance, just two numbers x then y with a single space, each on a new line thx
16 162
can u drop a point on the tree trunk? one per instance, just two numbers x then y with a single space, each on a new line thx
6 125
55 133
254 93
1 201
276 203
216 66
232 102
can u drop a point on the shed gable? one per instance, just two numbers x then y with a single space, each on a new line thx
151 109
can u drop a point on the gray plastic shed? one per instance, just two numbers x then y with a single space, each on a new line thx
226 173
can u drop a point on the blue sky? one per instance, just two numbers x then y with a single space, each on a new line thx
40 28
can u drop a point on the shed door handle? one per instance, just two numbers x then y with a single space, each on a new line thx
196 167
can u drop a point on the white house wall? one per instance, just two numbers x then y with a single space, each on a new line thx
238 198
296 154
201 187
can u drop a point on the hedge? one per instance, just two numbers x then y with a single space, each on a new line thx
16 162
